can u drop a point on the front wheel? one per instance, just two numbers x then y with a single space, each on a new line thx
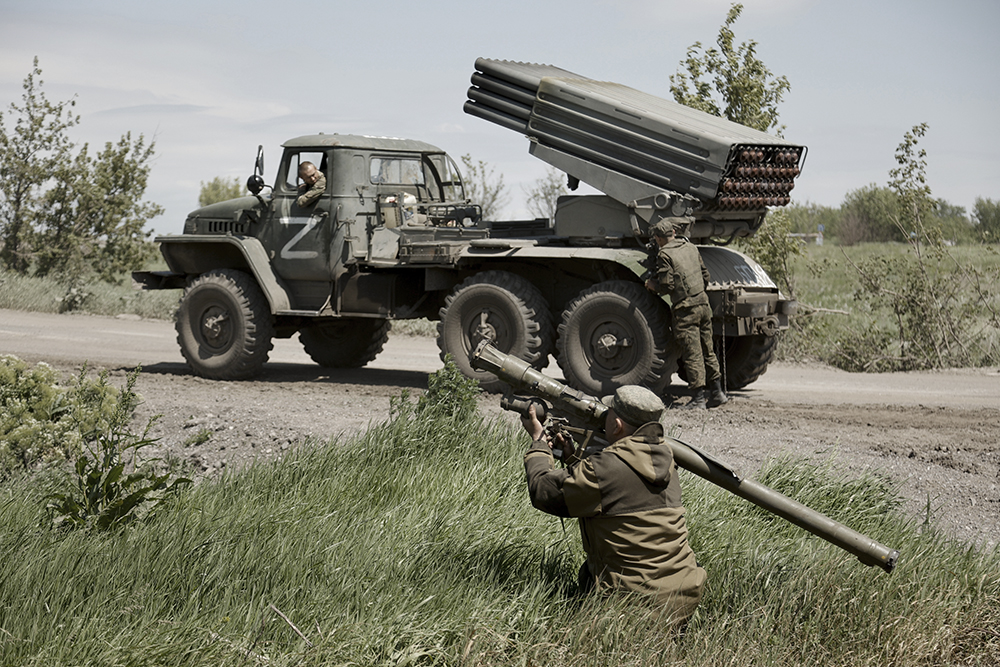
224 325
502 307
613 334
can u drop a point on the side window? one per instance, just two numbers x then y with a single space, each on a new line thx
318 160
396 171
451 179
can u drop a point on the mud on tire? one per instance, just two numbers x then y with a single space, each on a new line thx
224 326
612 334
498 305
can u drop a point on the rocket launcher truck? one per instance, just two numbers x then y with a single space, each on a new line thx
394 236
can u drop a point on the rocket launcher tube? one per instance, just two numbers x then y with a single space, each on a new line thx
521 375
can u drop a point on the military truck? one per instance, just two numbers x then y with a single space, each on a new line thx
394 236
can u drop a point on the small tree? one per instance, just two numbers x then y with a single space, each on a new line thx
38 145
544 193
774 249
69 214
484 187
869 215
942 312
731 81
92 218
220 189
986 213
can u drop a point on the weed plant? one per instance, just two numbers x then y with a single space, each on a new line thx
414 543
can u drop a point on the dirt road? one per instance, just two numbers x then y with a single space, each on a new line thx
936 434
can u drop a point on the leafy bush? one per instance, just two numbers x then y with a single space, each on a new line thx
40 420
449 393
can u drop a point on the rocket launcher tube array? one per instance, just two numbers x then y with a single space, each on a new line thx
590 410
639 136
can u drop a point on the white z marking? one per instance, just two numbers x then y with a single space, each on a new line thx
307 225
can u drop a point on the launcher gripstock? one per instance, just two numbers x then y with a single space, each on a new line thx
590 410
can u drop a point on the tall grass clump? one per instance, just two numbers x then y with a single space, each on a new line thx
414 543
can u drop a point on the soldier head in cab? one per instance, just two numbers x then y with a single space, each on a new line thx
681 273
627 497
313 184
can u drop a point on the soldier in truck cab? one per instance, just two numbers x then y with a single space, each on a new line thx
313 184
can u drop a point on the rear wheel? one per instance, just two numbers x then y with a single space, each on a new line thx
224 326
747 358
502 307
347 343
612 334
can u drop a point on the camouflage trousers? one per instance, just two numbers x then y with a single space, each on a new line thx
693 336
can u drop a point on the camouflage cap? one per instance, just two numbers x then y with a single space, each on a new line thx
662 228
635 405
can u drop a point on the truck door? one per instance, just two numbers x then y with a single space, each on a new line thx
298 237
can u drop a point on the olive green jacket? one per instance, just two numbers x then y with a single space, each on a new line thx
681 273
628 499
309 194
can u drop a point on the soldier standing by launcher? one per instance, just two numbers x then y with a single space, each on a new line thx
627 497
681 273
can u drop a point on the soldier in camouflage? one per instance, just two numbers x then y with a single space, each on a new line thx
627 497
681 273
313 184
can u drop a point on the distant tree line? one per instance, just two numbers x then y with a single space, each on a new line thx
868 215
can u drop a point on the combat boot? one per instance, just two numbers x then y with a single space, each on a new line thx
718 397
699 400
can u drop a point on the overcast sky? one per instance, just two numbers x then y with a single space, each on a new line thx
209 81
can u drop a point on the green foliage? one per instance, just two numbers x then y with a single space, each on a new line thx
220 189
199 438
449 393
943 313
731 82
869 215
92 218
987 218
42 421
36 148
806 218
544 193
774 249
484 187
415 543
64 214
103 493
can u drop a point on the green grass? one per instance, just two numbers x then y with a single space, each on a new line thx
48 295
825 279
414 543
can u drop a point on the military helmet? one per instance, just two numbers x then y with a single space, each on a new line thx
635 405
